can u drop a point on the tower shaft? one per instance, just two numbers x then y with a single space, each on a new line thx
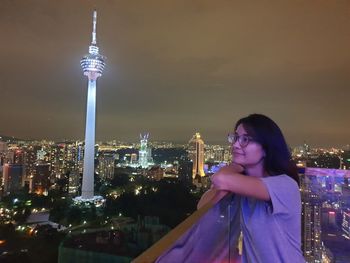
89 154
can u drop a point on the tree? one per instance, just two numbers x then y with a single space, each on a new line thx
120 180
74 215
59 210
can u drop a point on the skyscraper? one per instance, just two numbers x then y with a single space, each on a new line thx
93 65
143 153
106 164
41 178
3 153
13 177
196 154
3 147
311 220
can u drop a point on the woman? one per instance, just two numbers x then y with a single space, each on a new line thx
265 178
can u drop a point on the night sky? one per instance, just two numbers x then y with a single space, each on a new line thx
177 67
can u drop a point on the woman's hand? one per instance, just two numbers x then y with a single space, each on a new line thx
222 179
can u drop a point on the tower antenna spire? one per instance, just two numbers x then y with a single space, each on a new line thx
94 21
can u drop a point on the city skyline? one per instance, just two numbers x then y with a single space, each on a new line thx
178 68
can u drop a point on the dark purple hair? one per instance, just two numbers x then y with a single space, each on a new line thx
266 132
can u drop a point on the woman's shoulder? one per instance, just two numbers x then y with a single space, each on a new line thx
281 182
280 178
284 194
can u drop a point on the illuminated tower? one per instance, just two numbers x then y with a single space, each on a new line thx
143 153
196 154
93 65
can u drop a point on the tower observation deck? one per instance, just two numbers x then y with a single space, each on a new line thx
93 63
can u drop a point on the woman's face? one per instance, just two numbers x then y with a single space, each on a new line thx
248 155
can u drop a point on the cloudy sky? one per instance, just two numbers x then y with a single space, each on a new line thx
177 67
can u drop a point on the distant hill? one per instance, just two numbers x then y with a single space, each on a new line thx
5 138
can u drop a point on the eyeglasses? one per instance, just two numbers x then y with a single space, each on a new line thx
243 139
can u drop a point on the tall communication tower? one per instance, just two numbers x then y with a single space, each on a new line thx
93 65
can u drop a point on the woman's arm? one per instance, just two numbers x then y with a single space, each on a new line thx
214 195
228 179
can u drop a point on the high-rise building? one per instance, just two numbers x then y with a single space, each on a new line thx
311 220
346 223
106 164
41 178
196 155
64 159
80 157
214 153
3 153
185 172
30 158
133 159
17 156
3 147
73 182
144 152
93 65
12 177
